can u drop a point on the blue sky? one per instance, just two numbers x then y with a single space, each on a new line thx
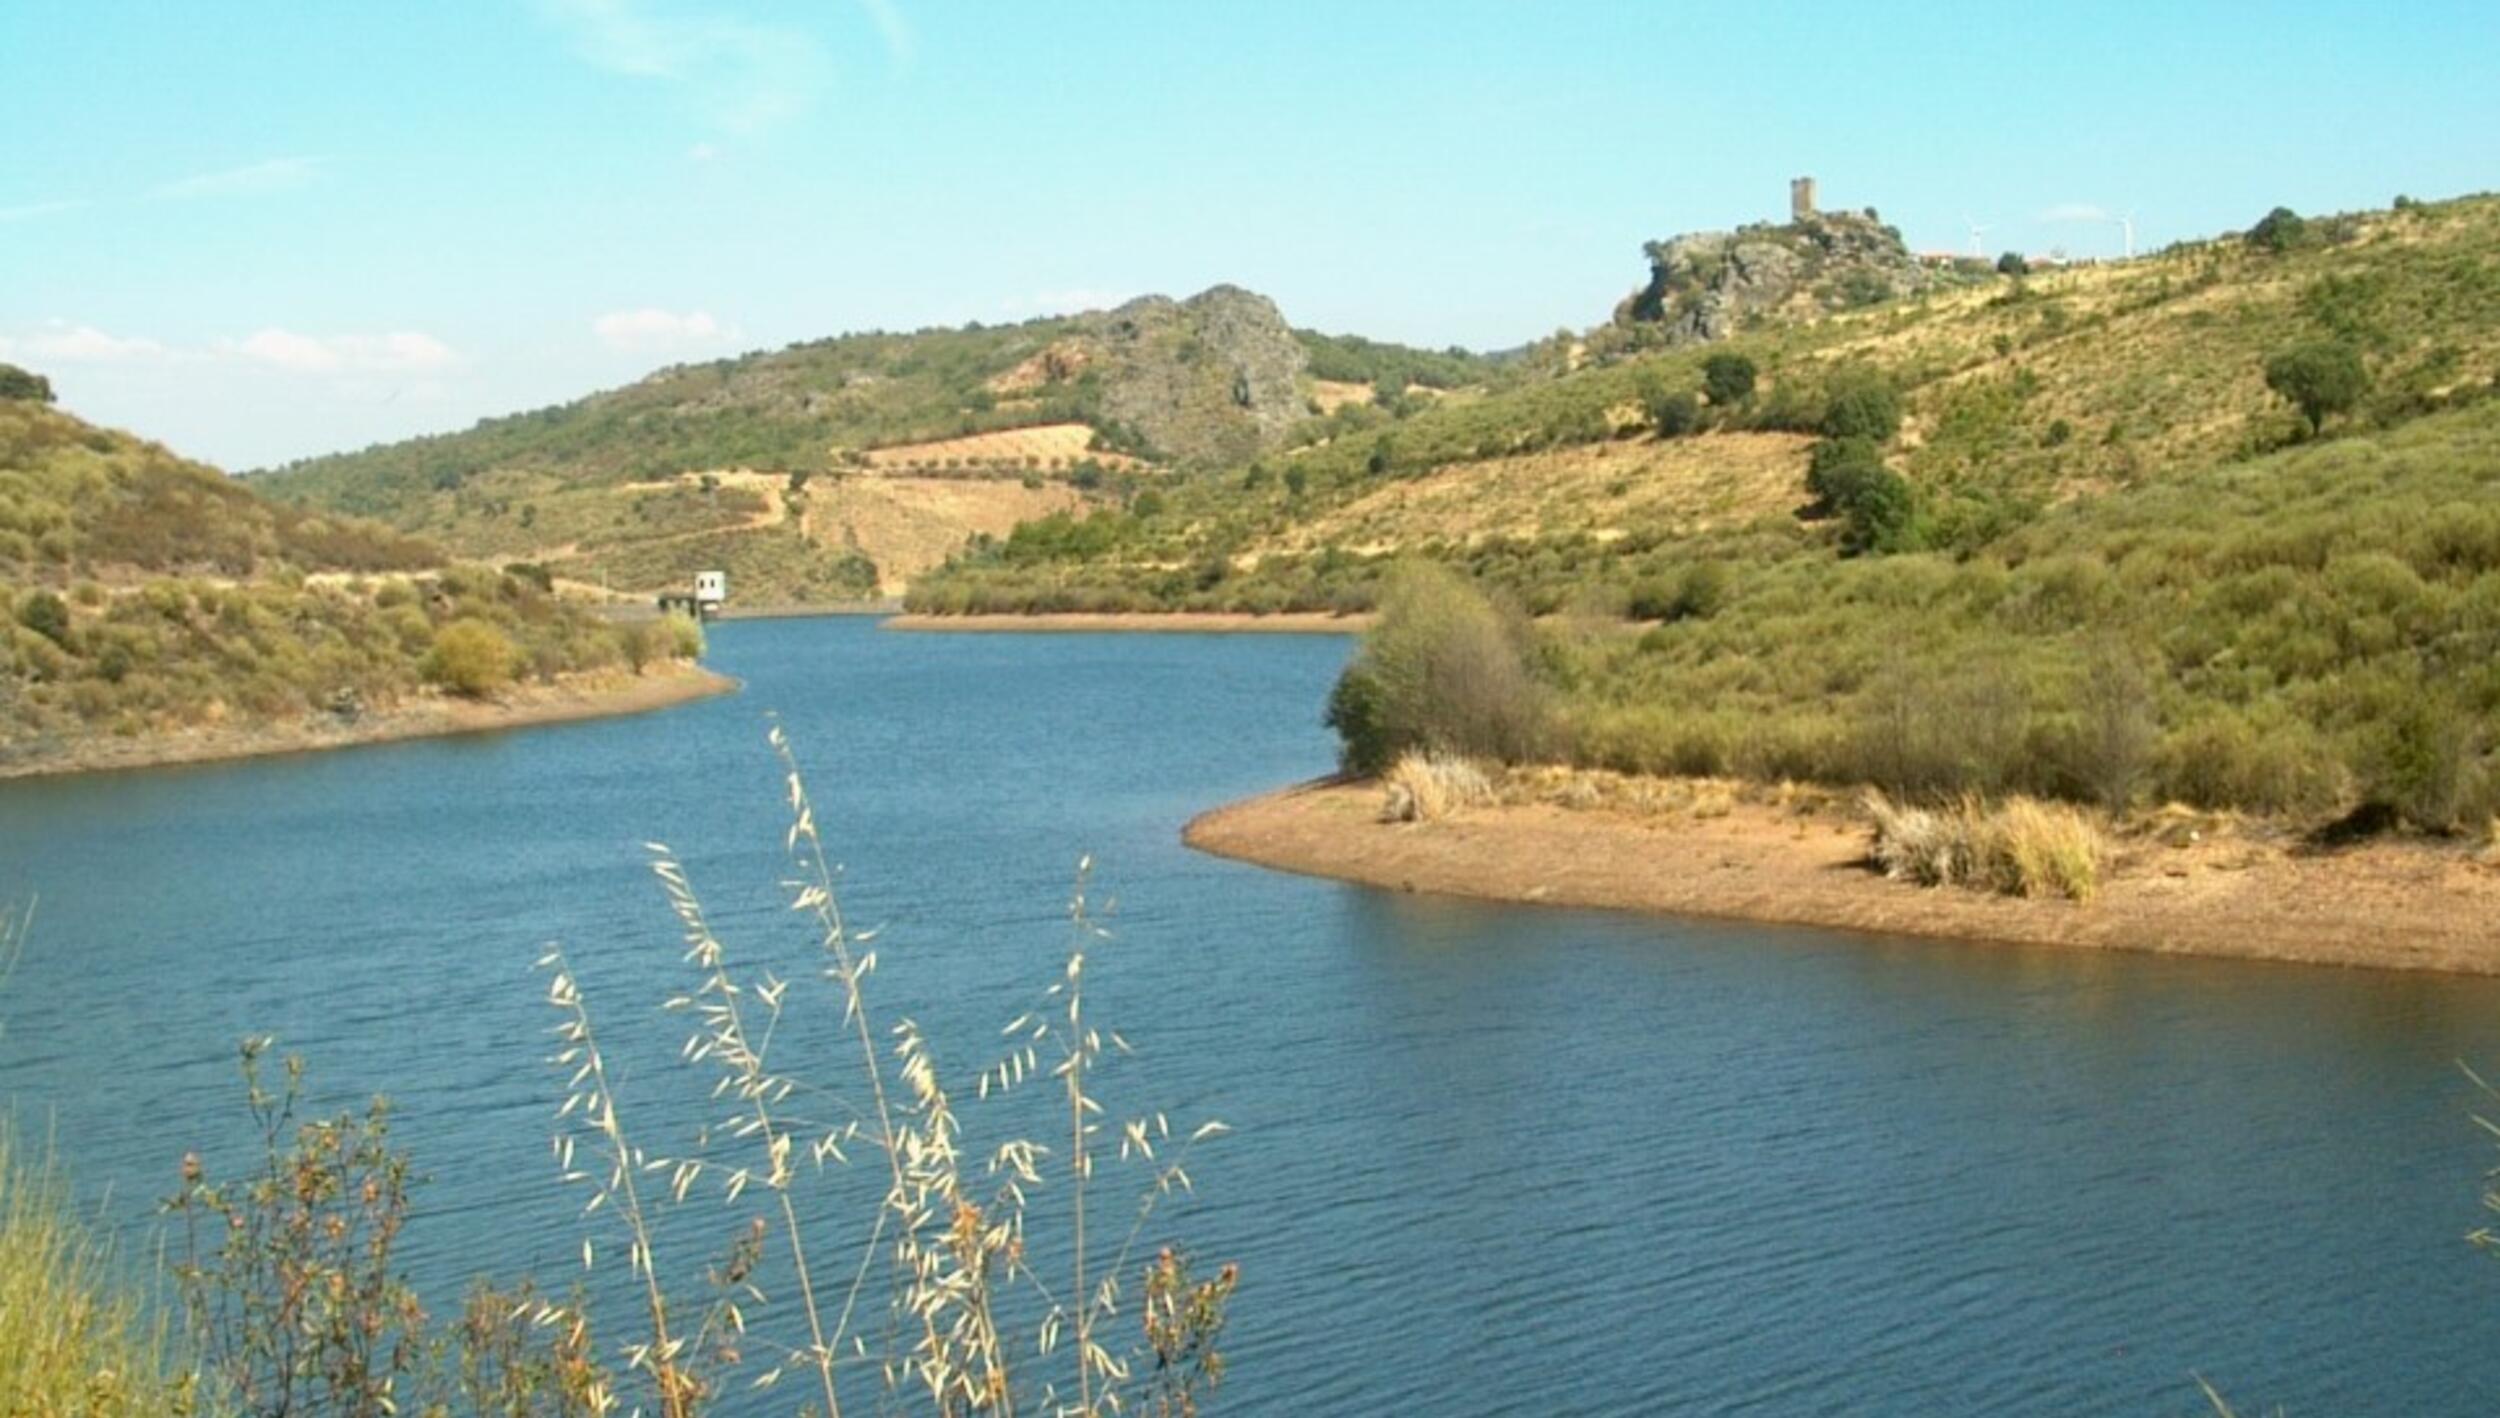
263 230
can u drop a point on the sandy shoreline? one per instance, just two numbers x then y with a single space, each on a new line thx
427 717
2383 904
1200 622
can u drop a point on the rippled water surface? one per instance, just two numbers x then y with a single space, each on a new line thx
1488 1160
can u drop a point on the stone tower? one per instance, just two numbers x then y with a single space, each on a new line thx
1800 198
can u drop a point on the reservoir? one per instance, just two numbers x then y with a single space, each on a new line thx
1484 1159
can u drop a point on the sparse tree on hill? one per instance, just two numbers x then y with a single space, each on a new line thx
2013 264
1672 412
1728 378
1861 403
24 385
2279 231
2322 378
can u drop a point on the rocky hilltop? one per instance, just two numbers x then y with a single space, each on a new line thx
836 469
1216 377
1711 285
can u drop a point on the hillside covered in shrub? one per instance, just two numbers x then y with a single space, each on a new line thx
1943 421
2215 526
147 594
889 451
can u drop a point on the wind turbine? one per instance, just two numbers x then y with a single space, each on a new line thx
2126 229
1976 232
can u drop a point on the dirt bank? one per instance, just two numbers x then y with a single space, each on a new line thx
2388 904
1218 622
426 716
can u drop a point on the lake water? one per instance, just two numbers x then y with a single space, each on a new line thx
1487 1160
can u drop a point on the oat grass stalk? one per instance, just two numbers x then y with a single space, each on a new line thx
950 1225
590 1104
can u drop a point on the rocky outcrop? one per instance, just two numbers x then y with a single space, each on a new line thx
1709 285
1211 378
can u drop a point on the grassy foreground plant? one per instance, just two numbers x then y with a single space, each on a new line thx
74 1341
931 1294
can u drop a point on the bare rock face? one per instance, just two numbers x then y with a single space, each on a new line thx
1210 378
1709 285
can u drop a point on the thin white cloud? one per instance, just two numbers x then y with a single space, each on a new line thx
650 328
888 18
61 342
1066 301
402 351
2076 212
28 211
740 76
274 175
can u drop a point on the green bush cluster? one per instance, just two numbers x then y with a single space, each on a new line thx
175 653
74 498
2313 631
1444 670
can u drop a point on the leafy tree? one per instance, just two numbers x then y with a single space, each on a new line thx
1861 403
1728 378
2321 378
1839 464
2279 231
1882 515
2013 264
24 385
1878 509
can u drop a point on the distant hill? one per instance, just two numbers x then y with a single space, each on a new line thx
82 502
2012 395
145 594
840 468
2219 526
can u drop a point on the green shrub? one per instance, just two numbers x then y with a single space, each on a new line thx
47 615
471 657
1694 593
2424 762
1443 669
1861 402
1671 412
2267 762
1728 379
685 636
1941 731
24 385
2279 231
2321 378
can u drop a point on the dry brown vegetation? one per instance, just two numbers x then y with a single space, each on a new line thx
1601 490
1051 447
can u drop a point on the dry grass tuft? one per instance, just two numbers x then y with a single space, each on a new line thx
2021 847
1425 787
72 1341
